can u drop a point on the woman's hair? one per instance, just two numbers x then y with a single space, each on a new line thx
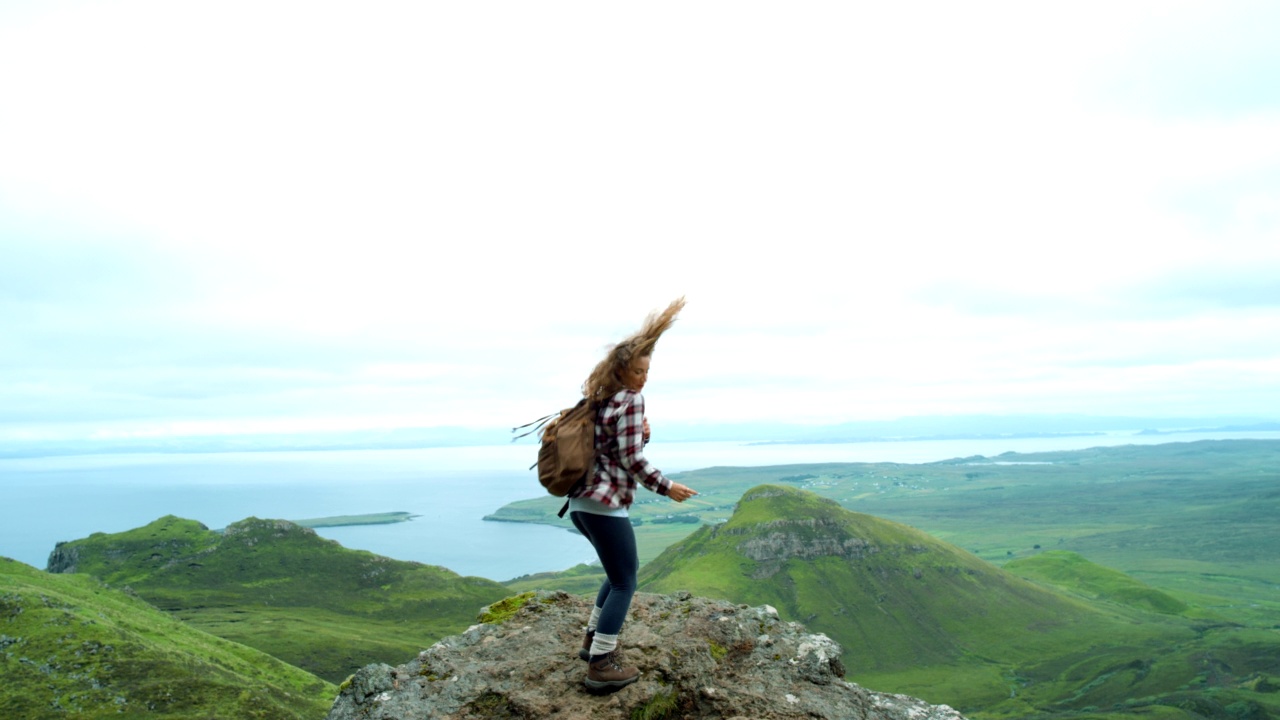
603 382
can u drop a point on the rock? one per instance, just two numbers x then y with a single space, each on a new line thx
700 658
65 558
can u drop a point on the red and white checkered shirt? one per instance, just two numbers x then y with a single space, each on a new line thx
620 460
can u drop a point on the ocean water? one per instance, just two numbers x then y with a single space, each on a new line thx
47 500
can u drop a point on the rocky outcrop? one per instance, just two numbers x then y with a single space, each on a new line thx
785 546
699 658
65 558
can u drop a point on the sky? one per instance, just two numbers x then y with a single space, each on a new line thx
267 217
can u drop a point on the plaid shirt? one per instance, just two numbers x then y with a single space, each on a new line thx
620 458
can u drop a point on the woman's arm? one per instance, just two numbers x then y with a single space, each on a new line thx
630 424
632 435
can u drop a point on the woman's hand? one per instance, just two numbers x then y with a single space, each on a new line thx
646 430
680 493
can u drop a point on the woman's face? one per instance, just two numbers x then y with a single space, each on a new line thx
634 376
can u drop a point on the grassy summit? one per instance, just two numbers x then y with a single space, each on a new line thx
72 647
281 588
919 616
895 597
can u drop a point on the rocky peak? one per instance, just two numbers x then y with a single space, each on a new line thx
700 658
65 558
251 531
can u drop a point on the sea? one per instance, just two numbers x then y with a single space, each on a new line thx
450 490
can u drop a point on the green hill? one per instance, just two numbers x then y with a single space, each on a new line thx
282 589
71 647
1072 573
894 596
919 616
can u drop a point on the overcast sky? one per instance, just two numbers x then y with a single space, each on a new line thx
266 216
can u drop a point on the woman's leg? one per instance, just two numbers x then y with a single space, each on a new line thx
615 544
603 594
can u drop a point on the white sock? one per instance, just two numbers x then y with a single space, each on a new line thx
602 644
595 619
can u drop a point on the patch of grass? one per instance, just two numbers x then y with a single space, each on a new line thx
491 705
661 706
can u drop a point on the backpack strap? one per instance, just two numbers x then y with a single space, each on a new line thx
537 425
580 483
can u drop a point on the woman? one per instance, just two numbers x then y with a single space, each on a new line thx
599 508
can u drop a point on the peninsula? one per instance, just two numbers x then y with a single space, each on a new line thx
386 518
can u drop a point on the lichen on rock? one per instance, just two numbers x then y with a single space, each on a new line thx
500 611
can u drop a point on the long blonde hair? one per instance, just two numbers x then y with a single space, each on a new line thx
603 381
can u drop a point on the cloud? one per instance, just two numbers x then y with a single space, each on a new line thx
1215 287
1218 287
1199 60
275 212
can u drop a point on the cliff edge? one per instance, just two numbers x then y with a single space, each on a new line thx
700 658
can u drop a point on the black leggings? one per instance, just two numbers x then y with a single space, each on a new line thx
615 544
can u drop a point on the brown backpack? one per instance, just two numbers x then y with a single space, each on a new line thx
567 454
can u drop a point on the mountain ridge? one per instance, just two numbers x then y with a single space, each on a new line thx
316 604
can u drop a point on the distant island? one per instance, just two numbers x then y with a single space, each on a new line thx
386 518
1256 427
922 438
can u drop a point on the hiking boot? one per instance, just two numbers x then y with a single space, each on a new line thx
585 652
606 673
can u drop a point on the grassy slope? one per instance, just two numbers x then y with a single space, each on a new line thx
1072 573
284 590
72 647
922 617
582 579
